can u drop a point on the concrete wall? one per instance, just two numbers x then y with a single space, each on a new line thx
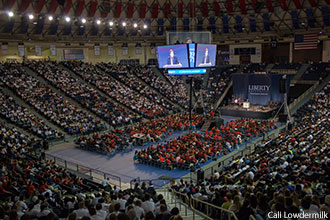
89 56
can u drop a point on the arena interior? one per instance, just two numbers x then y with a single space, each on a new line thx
163 109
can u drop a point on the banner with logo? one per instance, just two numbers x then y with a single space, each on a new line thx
21 50
259 89
38 51
110 50
153 50
138 50
4 49
52 50
125 50
97 50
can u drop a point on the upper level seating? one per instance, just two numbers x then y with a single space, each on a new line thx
127 77
84 94
174 93
22 117
176 82
217 82
316 71
254 68
288 66
193 149
72 119
116 90
288 173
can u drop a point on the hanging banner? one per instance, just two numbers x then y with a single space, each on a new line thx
21 50
110 50
38 51
52 50
97 50
138 50
125 50
4 49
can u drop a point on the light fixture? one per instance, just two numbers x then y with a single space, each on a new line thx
145 26
10 14
98 22
83 20
31 16
124 24
135 25
67 19
50 18
111 23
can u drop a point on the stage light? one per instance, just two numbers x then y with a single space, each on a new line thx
135 25
50 18
145 26
98 22
67 19
124 24
83 20
10 14
31 16
111 23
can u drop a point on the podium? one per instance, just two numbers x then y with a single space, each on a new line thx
246 105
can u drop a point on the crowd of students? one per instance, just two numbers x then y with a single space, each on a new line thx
191 150
22 117
32 187
138 134
287 174
117 90
53 106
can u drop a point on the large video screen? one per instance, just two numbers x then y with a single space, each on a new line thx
173 56
73 54
206 54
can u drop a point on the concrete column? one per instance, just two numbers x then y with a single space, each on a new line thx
291 53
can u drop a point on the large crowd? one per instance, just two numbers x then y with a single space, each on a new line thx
32 187
287 174
138 134
317 71
117 90
22 117
191 150
53 106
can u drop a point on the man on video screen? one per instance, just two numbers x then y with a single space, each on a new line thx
206 59
172 60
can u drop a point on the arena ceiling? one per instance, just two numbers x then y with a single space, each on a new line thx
149 20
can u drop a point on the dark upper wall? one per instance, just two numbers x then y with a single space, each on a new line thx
276 55
300 56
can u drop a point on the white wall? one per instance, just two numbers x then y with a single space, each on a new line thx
234 59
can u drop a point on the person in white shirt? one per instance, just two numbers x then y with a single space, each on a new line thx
100 212
148 205
82 211
138 209
122 202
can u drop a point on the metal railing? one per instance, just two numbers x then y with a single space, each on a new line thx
94 174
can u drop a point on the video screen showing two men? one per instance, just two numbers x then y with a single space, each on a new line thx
177 56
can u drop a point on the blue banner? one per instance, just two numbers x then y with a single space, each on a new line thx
259 89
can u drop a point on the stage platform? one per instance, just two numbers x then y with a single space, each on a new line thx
255 111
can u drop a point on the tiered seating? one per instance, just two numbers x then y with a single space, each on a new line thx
316 71
127 77
85 95
34 188
138 134
287 66
217 82
72 119
174 93
25 119
194 149
116 90
287 174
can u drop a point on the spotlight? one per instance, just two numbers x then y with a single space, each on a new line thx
68 19
50 18
135 25
31 16
83 20
145 26
111 23
10 14
124 24
98 22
